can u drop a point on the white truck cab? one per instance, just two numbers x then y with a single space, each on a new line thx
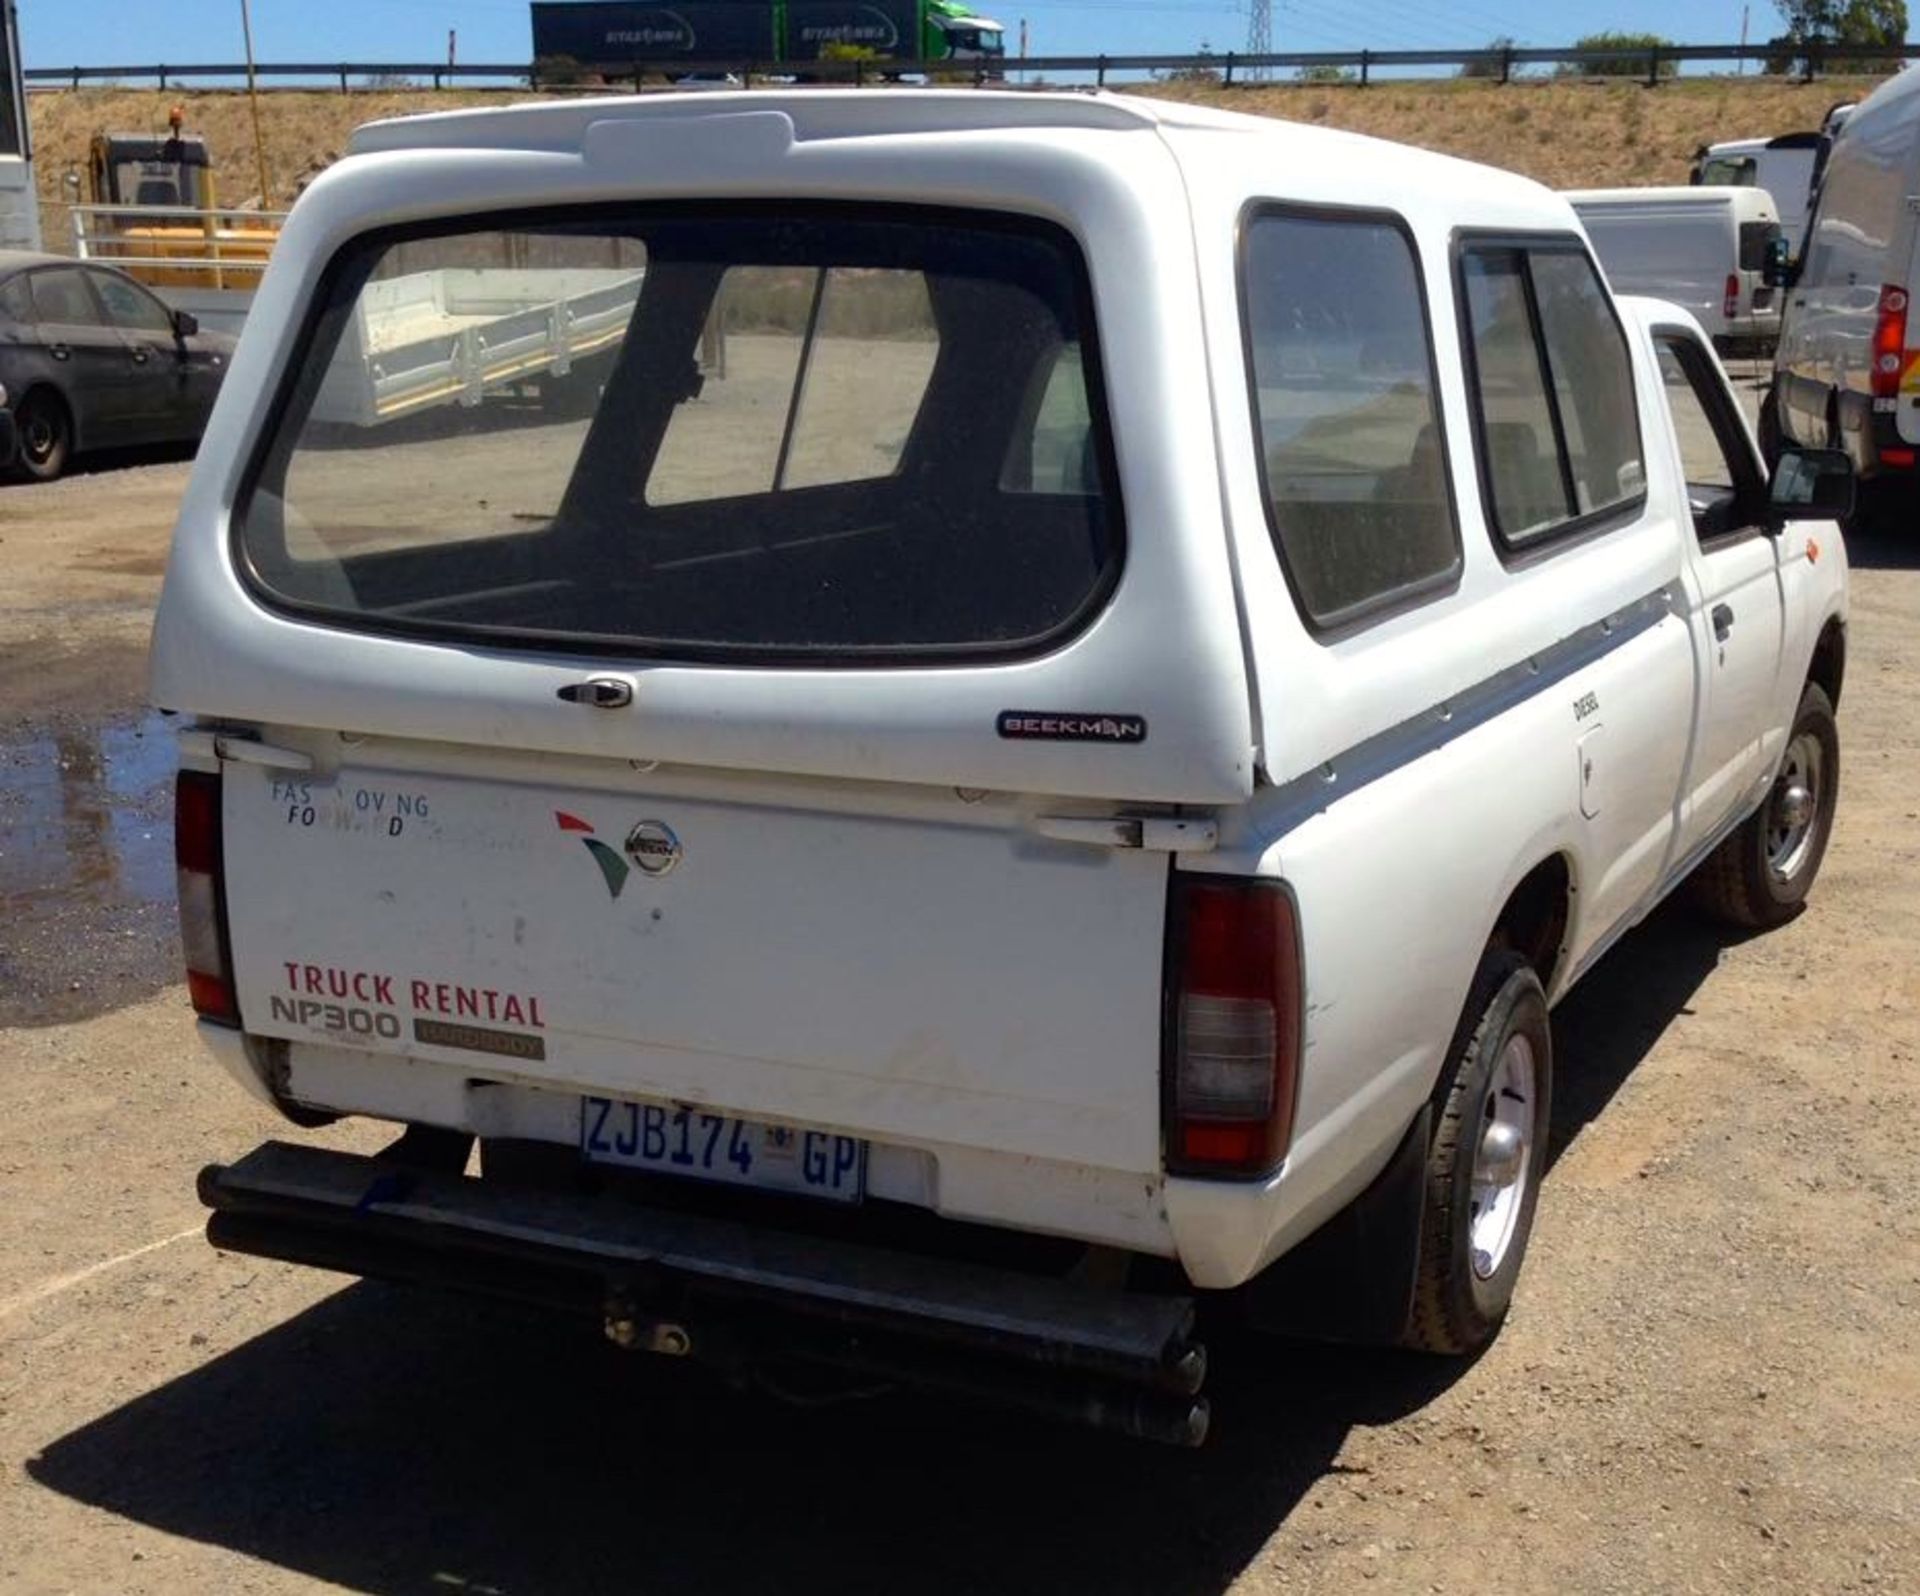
1029 749
1786 166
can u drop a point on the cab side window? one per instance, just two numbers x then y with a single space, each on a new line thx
827 372
1730 171
1558 433
1341 378
1055 449
1725 484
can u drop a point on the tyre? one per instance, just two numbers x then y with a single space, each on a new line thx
1759 877
576 396
46 437
1485 1162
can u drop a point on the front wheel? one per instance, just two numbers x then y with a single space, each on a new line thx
1486 1160
1760 876
46 437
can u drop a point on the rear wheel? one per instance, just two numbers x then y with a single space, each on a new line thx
46 437
1486 1160
1760 876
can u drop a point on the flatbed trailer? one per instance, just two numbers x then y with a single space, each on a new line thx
458 334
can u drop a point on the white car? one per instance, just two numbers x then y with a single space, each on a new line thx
1036 762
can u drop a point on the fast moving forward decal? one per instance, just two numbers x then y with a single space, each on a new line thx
613 869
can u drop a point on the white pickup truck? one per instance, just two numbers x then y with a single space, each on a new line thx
1056 790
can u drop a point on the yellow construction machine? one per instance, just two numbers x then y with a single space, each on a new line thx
151 210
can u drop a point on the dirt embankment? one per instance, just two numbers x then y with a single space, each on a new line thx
1566 134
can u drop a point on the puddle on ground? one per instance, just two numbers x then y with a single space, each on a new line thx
86 866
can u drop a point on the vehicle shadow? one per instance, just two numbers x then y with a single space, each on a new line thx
1885 536
97 461
1612 1019
394 1441
389 1440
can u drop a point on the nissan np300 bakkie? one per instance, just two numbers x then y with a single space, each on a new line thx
920 732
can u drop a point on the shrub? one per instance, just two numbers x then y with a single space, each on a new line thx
1633 65
1488 69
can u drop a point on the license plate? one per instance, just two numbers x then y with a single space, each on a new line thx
717 1147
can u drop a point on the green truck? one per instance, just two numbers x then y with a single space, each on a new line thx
628 35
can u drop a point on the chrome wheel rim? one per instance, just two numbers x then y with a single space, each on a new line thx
1793 807
1502 1158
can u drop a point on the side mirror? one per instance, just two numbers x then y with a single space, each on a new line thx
185 324
1811 485
1779 272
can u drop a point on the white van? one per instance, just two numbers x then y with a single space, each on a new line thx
1847 370
1032 756
1787 166
1704 248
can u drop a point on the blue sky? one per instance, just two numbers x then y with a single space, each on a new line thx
136 32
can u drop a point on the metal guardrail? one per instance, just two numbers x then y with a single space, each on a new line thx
1653 64
218 215
235 244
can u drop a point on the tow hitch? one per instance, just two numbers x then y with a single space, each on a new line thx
743 1298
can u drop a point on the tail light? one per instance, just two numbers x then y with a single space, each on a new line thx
1890 342
203 920
1730 300
1233 1026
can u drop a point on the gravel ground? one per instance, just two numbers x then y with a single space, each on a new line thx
1709 1383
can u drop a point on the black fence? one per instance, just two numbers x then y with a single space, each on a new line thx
1651 65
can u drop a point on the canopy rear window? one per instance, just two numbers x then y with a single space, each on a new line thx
812 433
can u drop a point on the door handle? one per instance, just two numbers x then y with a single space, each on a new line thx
1722 621
601 692
139 355
59 351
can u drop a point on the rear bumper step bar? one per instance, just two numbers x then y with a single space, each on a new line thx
726 1292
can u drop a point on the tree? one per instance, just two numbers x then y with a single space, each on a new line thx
1488 69
551 71
1835 22
1326 74
1636 48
